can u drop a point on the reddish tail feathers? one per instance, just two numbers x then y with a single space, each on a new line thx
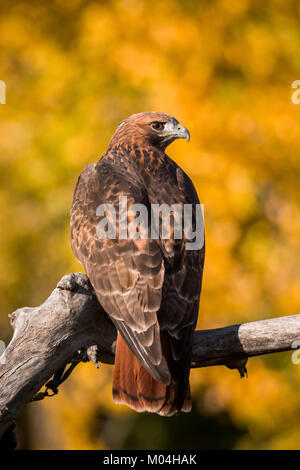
136 388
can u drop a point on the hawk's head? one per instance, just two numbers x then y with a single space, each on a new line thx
151 128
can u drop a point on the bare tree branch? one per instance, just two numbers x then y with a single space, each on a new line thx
70 326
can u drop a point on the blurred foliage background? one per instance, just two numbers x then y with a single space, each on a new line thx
73 70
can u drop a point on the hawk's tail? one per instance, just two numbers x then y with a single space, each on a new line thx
136 388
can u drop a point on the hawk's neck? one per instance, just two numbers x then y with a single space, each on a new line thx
136 157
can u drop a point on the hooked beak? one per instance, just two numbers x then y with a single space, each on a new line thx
174 130
182 132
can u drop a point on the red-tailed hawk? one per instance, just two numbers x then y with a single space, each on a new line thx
150 287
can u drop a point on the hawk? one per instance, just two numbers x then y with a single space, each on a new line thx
149 287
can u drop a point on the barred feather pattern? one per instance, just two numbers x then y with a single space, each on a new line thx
136 388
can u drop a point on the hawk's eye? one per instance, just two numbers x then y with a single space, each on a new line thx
157 126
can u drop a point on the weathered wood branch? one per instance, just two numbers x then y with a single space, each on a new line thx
70 326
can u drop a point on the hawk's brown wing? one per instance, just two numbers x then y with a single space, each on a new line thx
127 275
183 271
146 286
